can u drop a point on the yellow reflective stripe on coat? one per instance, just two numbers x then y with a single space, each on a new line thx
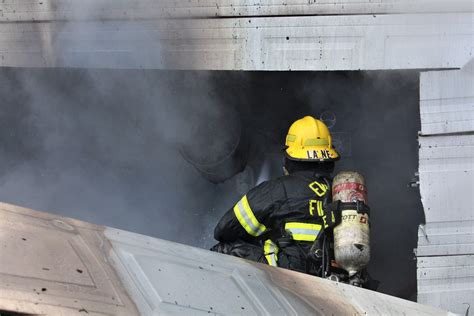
303 231
270 249
247 219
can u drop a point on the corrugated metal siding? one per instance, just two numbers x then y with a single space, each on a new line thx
236 8
447 101
446 243
446 173
447 281
365 42
46 10
446 238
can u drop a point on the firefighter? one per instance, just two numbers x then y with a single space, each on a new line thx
280 221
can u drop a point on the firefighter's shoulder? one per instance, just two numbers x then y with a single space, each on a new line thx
268 191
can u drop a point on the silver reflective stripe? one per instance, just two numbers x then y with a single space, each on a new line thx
271 248
272 260
300 231
271 251
257 230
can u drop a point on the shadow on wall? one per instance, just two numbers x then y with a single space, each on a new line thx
106 146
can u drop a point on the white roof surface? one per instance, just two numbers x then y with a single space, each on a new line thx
60 266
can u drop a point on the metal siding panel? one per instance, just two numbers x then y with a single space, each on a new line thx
446 281
446 171
445 253
56 266
447 101
165 277
59 266
169 281
401 41
141 9
446 238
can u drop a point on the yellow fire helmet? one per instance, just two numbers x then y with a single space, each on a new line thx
309 140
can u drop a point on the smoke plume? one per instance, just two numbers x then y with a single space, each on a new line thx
106 146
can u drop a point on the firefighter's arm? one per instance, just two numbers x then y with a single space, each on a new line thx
247 219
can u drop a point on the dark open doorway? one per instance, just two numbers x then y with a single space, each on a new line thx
106 146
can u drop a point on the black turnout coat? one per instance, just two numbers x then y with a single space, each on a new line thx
278 221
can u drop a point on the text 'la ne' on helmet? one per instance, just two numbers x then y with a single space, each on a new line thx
309 139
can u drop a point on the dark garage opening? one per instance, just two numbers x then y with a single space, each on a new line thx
166 153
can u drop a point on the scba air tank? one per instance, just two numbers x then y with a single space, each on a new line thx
351 236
